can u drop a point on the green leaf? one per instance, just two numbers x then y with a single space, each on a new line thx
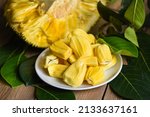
9 70
50 93
6 52
124 5
116 23
136 13
131 36
107 13
121 46
134 80
27 72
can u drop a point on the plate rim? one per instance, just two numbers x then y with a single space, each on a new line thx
76 88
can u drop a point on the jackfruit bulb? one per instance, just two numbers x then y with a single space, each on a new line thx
41 22
74 75
80 44
95 75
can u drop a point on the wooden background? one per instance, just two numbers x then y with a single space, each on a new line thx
27 93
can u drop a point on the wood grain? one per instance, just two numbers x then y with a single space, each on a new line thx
110 95
92 94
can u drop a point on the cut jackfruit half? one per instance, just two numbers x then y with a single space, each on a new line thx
41 22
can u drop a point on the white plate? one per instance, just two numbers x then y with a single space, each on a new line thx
110 74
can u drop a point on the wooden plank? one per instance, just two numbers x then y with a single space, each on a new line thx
92 94
110 95
18 93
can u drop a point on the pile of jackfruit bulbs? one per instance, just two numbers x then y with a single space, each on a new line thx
78 58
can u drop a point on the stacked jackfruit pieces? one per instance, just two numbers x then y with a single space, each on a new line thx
78 58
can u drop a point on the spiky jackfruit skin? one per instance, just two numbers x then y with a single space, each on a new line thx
42 22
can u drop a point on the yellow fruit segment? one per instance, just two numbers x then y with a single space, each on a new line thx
72 58
103 53
111 63
80 44
95 75
74 75
89 60
41 22
51 59
60 49
57 70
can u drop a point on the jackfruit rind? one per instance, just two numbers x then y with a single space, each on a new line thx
41 22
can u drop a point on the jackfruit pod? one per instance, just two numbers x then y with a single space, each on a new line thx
80 45
57 70
95 45
35 34
75 73
95 75
51 59
91 39
111 63
61 50
55 30
89 60
18 11
72 59
103 54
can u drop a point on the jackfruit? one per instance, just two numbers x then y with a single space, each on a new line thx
91 39
89 60
57 70
111 63
51 59
72 58
95 75
80 44
42 22
61 50
103 53
75 73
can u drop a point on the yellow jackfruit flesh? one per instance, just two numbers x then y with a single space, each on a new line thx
103 54
61 50
95 75
80 44
89 60
76 58
75 73
57 70
72 58
111 63
51 59
42 22
91 39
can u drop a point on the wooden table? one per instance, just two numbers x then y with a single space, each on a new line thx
27 93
